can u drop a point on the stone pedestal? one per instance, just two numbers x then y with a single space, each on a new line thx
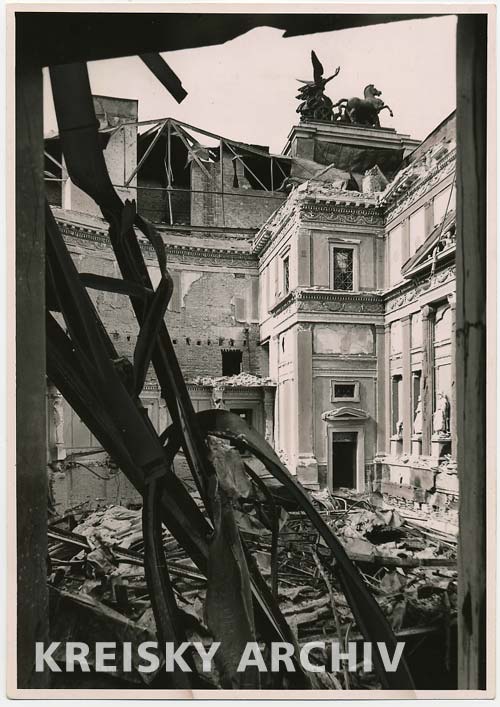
307 471
416 446
269 415
396 446
438 444
447 483
345 143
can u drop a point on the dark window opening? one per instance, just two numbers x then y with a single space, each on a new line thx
262 172
286 275
397 382
344 390
417 375
231 362
154 201
343 270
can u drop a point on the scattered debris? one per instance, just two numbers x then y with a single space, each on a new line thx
96 570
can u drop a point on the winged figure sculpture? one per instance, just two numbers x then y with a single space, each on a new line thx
314 104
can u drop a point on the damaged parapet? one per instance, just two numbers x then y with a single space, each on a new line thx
249 396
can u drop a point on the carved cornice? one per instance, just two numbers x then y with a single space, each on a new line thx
392 199
329 301
318 204
178 253
409 292
348 215
274 224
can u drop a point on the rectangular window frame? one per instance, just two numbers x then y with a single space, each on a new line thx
396 404
340 398
286 273
345 245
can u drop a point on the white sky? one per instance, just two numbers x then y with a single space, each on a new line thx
245 89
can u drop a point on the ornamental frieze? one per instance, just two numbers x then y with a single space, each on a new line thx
403 298
314 301
350 306
424 186
184 255
333 214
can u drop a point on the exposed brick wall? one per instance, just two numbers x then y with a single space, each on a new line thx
152 203
214 309
244 207
206 323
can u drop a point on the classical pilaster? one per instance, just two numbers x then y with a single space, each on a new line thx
406 384
427 381
387 388
274 374
405 240
381 393
269 415
307 465
303 255
416 436
453 402
429 217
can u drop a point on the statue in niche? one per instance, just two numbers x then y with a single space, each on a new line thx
217 397
314 104
441 417
58 418
362 111
417 422
399 428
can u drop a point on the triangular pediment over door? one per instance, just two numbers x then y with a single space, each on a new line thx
344 413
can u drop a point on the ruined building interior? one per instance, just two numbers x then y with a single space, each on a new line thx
313 295
314 386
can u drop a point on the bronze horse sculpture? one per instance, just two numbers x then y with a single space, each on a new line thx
362 111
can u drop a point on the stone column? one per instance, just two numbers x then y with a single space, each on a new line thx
416 444
405 240
382 373
427 380
307 465
274 374
269 415
388 389
303 255
406 385
453 402
429 217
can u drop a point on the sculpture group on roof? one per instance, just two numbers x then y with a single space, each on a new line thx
315 105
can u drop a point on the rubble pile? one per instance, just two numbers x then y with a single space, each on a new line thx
98 585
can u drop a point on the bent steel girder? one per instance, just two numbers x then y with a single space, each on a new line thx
104 390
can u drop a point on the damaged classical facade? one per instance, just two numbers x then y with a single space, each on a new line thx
313 291
357 310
